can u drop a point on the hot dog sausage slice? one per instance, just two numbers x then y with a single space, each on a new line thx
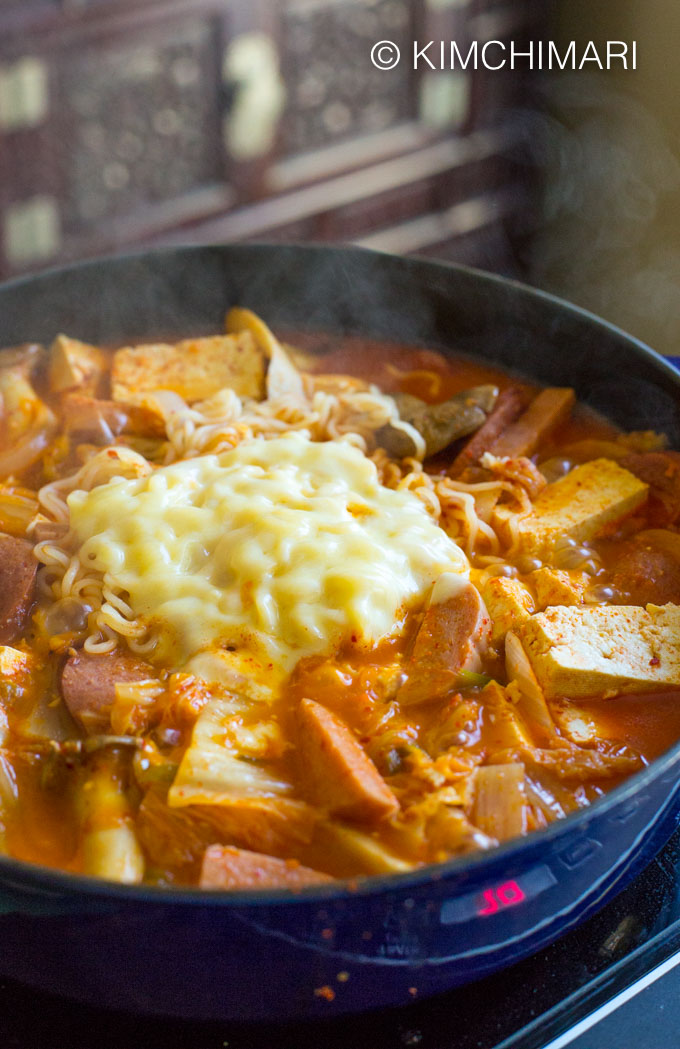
341 777
18 568
88 685
452 638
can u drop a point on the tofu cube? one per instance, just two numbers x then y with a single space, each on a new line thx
195 368
555 586
576 723
589 501
508 603
586 651
17 671
75 365
15 666
504 728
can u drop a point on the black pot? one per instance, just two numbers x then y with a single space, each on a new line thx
275 955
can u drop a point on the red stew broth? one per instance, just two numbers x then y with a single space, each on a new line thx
350 684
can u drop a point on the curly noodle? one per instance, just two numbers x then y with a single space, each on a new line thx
332 409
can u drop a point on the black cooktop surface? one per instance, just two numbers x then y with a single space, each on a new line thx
613 983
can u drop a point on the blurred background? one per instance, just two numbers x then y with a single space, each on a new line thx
127 124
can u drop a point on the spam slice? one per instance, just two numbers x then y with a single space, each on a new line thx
603 650
195 368
341 776
226 867
545 413
591 500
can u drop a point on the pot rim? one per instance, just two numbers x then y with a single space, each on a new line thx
22 875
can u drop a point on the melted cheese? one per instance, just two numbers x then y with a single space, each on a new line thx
283 547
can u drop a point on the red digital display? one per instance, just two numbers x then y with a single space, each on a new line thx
505 895
497 898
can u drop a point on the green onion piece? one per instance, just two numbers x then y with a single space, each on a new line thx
468 679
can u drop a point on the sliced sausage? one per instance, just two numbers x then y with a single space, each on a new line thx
225 867
340 776
545 413
88 685
452 638
647 568
661 471
508 407
18 569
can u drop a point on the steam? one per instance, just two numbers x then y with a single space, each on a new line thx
604 232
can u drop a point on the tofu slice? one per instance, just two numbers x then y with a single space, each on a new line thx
576 723
556 586
17 672
75 365
508 603
503 727
195 368
603 650
16 666
591 500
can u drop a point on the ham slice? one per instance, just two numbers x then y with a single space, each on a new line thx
546 412
508 406
340 775
226 867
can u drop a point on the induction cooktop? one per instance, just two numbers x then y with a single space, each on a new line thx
612 983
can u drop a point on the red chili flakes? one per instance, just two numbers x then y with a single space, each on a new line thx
655 661
325 992
327 934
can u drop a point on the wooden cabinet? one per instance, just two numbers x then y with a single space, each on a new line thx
124 124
